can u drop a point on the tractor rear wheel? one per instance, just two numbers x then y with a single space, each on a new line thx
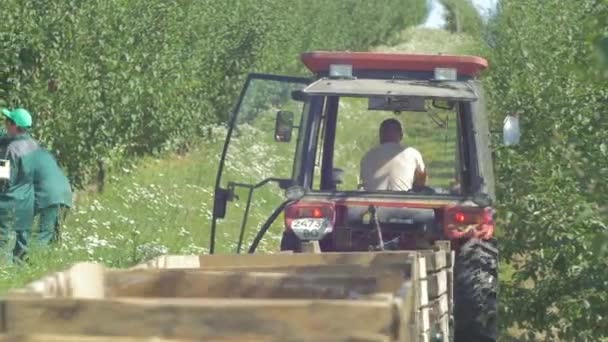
475 289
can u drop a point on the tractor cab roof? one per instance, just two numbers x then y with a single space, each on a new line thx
458 91
383 64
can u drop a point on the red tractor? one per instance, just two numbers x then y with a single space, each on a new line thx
321 129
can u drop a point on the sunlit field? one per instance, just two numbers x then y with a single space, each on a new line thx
163 205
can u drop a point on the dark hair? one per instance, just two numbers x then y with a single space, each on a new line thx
390 125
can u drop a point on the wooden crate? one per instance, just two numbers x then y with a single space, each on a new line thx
92 338
387 296
435 304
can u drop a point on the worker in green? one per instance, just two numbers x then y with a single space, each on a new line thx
53 194
17 176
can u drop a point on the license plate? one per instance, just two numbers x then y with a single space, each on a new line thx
310 228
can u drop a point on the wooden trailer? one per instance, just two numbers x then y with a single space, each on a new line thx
371 296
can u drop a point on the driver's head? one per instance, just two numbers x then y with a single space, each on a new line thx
390 131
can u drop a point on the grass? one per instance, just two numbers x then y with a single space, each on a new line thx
156 206
432 41
163 205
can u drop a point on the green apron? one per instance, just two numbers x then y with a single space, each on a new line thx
17 194
53 192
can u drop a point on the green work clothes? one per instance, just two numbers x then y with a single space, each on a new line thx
53 192
51 185
49 223
17 194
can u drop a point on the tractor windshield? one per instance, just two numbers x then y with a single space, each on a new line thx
429 142
417 152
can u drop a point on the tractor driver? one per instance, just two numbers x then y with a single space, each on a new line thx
390 166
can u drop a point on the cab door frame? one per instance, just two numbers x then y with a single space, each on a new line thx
223 195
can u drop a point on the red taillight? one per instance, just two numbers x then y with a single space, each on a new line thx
308 210
317 212
459 217
462 222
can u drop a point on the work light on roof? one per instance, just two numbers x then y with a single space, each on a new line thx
341 70
445 74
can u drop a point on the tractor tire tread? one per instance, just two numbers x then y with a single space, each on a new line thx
475 291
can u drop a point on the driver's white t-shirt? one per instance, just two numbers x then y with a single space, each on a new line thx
391 167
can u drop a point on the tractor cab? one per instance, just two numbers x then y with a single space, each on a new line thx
291 166
305 161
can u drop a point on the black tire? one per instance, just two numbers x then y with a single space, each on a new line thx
475 292
290 242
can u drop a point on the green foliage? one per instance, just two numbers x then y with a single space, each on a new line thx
552 187
462 16
113 79
433 41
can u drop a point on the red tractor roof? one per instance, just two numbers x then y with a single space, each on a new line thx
319 61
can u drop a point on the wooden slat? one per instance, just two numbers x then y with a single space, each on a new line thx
439 317
274 260
406 299
403 268
450 280
217 284
451 285
422 312
440 283
269 259
422 279
171 261
83 338
438 307
83 280
311 247
322 281
388 275
200 319
425 319
248 338
443 245
435 260
437 284
443 326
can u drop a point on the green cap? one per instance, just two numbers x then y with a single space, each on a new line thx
20 116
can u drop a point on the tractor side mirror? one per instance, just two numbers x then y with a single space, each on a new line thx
298 95
283 126
510 130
